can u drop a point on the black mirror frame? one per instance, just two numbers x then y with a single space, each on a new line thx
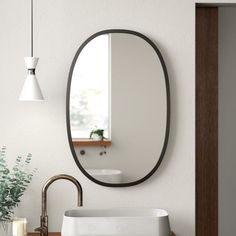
167 100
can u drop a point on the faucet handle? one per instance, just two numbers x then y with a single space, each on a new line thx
42 230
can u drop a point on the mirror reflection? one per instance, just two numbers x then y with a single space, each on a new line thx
118 107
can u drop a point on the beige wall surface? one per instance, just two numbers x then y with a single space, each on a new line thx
40 128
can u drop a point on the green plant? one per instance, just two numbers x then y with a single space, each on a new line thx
13 183
99 132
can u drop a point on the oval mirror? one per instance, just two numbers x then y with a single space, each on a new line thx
118 108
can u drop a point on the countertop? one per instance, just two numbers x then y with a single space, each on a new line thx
49 234
59 234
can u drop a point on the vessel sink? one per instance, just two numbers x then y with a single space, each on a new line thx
106 175
116 222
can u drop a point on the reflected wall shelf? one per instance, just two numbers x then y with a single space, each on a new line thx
91 142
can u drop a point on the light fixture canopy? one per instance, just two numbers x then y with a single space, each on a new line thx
31 90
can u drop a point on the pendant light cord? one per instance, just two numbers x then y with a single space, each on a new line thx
32 29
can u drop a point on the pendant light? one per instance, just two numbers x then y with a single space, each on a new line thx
31 90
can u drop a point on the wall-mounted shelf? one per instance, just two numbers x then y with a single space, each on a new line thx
91 142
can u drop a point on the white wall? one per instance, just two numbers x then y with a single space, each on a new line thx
61 26
227 117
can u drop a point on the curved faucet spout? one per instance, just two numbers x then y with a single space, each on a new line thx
53 179
43 229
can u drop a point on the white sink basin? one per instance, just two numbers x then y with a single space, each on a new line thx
106 175
116 222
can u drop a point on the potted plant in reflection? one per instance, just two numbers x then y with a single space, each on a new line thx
97 134
13 184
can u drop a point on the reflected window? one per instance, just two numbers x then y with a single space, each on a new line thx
89 99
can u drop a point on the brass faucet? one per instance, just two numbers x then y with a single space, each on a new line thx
43 229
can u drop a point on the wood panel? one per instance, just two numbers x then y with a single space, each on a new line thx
59 234
207 121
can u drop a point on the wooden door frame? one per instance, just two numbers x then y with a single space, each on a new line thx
206 121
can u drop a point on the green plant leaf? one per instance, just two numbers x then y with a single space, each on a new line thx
13 183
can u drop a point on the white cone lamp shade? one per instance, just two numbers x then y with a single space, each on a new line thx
31 90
